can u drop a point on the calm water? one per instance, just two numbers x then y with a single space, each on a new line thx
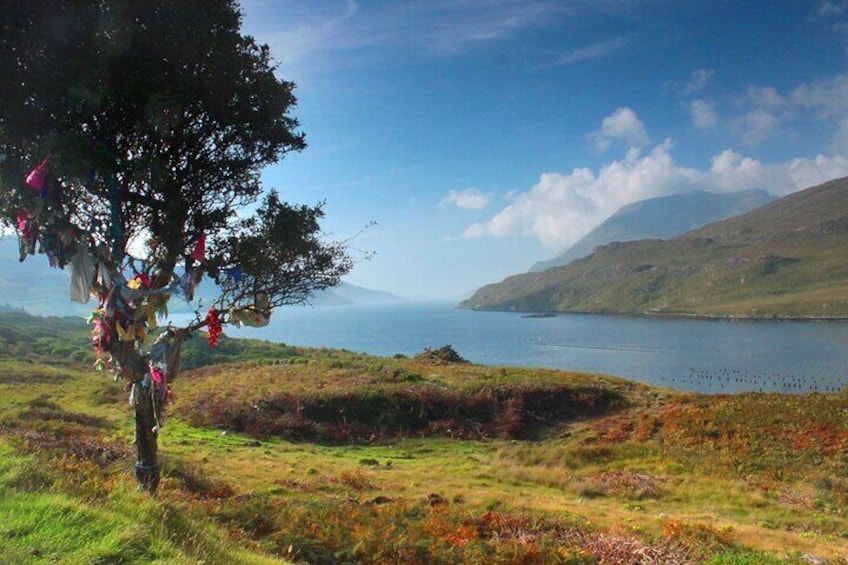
704 356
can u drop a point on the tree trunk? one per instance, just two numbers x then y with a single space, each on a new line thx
144 402
146 435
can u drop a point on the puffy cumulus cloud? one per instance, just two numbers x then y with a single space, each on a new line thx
704 114
766 110
755 126
468 199
698 81
562 207
621 125
810 172
731 171
828 97
767 98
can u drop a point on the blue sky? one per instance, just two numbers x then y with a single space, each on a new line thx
484 135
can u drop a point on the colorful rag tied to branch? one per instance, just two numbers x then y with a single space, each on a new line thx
37 178
213 327
128 309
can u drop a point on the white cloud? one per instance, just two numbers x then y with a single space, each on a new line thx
760 114
833 13
810 172
468 199
562 207
767 98
839 145
829 98
832 8
704 114
456 26
698 81
445 27
588 52
755 126
623 125
765 112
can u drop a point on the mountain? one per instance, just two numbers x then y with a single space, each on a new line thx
661 218
34 285
43 290
785 259
346 293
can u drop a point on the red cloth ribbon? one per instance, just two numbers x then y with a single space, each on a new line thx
36 178
199 253
213 327
24 225
156 375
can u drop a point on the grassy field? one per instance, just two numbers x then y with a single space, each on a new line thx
317 456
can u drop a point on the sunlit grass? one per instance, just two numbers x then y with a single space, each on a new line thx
42 523
717 479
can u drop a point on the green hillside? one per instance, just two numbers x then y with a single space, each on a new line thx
786 259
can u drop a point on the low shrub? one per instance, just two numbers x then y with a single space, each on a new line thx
384 412
444 355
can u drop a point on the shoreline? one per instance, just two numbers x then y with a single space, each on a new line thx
531 314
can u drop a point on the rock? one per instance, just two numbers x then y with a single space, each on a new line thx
434 499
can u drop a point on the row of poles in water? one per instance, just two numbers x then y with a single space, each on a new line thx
736 380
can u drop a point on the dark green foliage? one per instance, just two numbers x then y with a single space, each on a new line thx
168 108
444 354
742 557
399 375
148 124
23 336
197 353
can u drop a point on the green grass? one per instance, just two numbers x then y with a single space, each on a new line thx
40 522
686 478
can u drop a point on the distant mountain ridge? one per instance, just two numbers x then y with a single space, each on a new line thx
43 290
346 293
786 259
663 217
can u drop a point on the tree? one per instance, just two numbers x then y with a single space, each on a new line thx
132 137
